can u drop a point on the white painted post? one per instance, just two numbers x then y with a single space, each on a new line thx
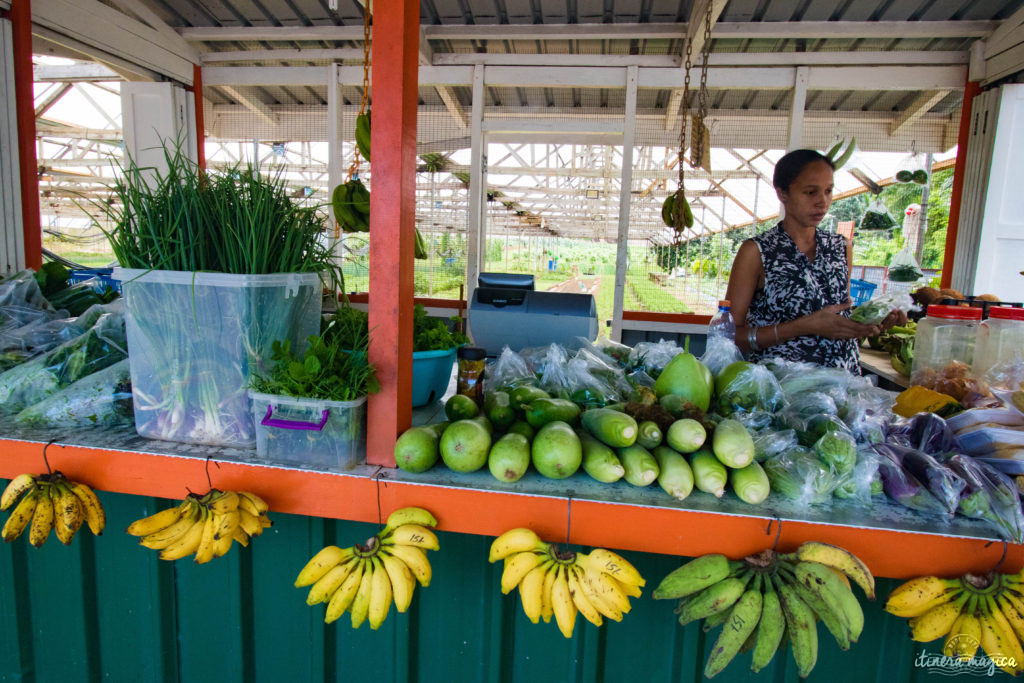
796 114
334 160
477 189
626 183
12 239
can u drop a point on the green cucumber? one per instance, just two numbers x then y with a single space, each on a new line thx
541 411
498 409
521 396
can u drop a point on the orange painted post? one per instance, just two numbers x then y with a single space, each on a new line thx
197 90
21 26
392 210
971 89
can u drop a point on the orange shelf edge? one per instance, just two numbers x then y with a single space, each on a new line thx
611 525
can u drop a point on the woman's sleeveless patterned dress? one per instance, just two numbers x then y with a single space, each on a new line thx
795 287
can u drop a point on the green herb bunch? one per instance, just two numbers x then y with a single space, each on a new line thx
233 221
429 334
326 370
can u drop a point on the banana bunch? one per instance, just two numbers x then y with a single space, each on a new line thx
838 156
668 209
762 598
50 501
205 525
351 204
366 578
363 134
970 611
561 583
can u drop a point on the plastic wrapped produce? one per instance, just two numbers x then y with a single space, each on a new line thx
909 474
838 450
904 267
913 168
877 217
925 432
863 482
102 399
803 407
799 475
875 310
720 352
509 370
102 346
745 387
654 356
989 495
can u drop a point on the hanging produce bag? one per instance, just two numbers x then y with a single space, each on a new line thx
904 267
195 339
913 169
877 217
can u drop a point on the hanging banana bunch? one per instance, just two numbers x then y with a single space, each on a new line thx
838 156
363 134
351 204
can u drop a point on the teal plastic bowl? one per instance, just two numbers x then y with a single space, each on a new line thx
431 374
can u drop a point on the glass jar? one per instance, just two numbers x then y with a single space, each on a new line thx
470 378
1000 347
944 345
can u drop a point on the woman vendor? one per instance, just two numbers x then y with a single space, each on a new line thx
790 286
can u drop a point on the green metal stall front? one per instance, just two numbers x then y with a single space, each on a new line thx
106 609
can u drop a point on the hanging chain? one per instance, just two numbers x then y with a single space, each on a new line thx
702 94
354 167
677 213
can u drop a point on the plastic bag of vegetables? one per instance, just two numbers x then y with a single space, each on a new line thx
862 482
917 480
102 399
22 289
913 168
838 450
877 217
745 387
926 432
654 356
875 310
509 370
989 495
799 475
102 346
801 408
903 267
549 367
719 353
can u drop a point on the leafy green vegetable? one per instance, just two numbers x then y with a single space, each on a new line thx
432 334
324 371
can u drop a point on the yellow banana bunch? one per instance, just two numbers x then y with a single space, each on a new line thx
971 612
763 597
50 502
203 525
367 578
563 583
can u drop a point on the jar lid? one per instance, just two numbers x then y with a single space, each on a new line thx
724 302
471 353
954 312
1006 313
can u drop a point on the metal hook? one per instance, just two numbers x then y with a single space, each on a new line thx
1001 557
568 521
778 531
377 476
45 460
209 459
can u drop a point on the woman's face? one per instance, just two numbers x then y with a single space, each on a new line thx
809 197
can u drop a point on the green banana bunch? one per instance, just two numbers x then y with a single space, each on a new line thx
421 246
351 204
760 600
363 134
838 156
668 210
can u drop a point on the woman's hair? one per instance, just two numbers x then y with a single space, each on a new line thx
790 166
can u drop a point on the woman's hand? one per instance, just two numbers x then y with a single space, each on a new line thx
896 317
829 324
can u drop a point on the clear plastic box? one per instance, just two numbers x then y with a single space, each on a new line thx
308 432
194 340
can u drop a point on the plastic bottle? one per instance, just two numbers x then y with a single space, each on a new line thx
944 344
1000 346
722 324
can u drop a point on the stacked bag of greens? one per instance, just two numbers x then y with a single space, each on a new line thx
62 384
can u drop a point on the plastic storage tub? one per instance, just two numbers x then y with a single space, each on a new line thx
194 340
431 375
102 277
1000 346
308 432
944 343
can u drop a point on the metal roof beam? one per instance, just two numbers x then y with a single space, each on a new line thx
824 57
623 31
